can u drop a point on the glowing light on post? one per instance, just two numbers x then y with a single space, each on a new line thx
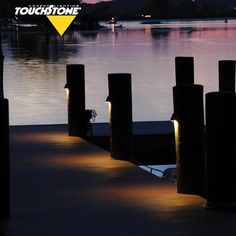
67 91
176 133
108 101
176 130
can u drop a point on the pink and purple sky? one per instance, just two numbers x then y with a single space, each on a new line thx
93 1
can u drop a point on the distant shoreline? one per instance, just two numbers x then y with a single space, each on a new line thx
101 25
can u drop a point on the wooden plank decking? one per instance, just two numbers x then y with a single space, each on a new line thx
65 186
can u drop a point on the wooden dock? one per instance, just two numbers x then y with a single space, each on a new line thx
64 186
154 141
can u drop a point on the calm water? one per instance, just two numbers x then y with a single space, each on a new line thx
35 65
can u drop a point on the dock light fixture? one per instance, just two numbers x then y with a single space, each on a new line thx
175 122
67 91
108 100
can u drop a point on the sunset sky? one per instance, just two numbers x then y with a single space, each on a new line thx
93 1
90 1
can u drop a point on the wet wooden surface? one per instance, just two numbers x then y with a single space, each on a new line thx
63 185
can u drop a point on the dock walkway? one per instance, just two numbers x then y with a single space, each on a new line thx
64 186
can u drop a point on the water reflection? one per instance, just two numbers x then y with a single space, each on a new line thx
37 45
35 65
89 34
160 32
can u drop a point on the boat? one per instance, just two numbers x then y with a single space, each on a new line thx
18 24
118 25
114 24
113 20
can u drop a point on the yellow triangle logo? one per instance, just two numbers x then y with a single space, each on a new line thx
61 23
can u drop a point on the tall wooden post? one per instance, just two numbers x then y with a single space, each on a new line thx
184 71
221 147
188 114
221 138
121 128
77 125
4 147
1 66
227 76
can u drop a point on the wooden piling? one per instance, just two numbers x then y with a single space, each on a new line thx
4 161
121 129
4 147
221 137
184 70
76 100
221 146
1 66
188 112
227 76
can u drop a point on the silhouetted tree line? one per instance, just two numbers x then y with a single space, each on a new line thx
188 8
133 9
